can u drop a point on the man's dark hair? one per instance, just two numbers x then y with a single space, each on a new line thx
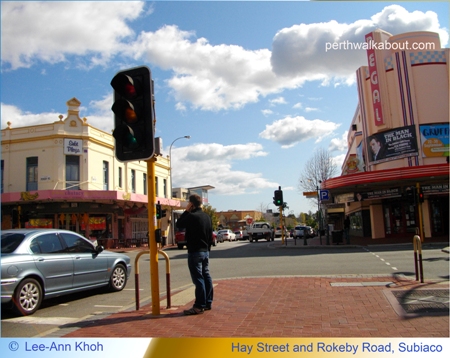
196 200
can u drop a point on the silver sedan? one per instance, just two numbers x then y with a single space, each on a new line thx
43 263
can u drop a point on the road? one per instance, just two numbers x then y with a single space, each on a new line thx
229 260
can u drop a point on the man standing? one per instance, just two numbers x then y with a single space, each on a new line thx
199 239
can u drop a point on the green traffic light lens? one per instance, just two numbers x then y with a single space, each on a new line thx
130 141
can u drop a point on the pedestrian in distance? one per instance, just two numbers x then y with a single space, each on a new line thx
347 229
199 240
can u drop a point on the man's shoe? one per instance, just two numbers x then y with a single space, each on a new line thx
193 311
207 308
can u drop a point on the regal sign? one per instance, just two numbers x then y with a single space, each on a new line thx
374 84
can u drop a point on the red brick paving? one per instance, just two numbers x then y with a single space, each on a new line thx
280 307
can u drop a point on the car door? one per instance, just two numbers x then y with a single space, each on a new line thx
53 262
90 268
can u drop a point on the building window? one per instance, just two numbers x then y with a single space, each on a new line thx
165 188
105 175
120 177
156 186
72 172
2 170
133 181
32 173
144 181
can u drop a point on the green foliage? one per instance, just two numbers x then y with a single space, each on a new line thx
212 214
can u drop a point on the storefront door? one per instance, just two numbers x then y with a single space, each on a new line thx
400 218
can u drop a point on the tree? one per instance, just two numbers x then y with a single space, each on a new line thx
316 170
212 214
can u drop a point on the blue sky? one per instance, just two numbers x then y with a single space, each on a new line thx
250 82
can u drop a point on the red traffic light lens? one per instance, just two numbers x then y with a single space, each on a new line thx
125 86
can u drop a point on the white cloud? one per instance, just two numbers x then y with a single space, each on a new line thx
311 109
211 164
339 144
267 112
18 118
278 100
292 130
338 161
307 41
52 31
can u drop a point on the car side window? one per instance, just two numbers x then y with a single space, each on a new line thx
76 244
46 244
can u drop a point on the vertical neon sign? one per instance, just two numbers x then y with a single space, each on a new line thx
374 84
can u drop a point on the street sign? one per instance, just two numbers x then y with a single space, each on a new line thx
310 194
324 195
249 221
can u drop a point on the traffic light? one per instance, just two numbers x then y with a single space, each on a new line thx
278 198
420 195
411 195
133 114
160 213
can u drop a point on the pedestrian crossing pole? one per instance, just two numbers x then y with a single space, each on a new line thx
419 209
153 246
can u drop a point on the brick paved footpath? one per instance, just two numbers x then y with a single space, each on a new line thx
333 306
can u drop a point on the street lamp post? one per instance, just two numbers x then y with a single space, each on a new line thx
171 193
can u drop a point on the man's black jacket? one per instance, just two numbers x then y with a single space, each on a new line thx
198 230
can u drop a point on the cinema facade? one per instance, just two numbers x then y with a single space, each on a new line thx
398 141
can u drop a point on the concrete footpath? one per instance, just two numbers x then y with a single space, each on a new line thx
290 306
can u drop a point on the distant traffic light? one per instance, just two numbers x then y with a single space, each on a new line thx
278 197
411 195
133 114
420 195
160 212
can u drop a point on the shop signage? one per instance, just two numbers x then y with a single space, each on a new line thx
378 194
394 144
72 146
435 140
435 188
374 84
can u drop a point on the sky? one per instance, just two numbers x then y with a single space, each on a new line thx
250 82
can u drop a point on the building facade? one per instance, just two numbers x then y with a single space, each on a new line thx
398 143
64 174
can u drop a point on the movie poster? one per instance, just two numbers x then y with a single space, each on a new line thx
434 140
392 145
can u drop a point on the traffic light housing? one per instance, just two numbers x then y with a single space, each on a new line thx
160 213
411 195
278 198
133 114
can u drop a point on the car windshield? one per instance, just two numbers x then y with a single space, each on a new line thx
10 242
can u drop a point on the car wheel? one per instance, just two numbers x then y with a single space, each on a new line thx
180 247
214 243
118 278
28 297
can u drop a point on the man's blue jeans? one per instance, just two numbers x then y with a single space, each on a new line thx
198 263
